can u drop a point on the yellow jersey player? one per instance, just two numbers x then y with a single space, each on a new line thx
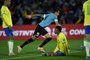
86 9
62 44
7 24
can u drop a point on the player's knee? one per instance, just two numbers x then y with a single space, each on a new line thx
48 36
30 40
33 37
48 39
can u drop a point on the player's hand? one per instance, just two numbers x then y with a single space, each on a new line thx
10 27
51 54
58 24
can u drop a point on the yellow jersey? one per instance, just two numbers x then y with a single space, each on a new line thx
6 17
62 44
86 9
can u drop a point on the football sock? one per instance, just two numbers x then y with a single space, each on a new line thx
45 42
10 45
27 42
87 46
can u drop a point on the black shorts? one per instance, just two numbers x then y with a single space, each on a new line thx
39 31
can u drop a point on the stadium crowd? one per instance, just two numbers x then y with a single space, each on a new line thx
71 10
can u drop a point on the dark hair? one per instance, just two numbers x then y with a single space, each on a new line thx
56 10
59 28
1 3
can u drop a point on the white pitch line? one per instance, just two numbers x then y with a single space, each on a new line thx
19 57
74 52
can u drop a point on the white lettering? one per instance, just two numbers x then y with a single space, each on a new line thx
23 32
15 33
53 33
64 31
27 33
76 32
2 33
30 32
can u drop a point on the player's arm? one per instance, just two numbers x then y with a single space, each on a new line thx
67 48
37 15
51 53
4 18
83 7
34 15
56 22
56 49
41 15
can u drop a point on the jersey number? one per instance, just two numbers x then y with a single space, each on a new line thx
88 9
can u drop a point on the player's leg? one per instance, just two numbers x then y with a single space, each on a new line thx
58 53
47 35
34 36
11 45
87 44
26 43
87 41
9 33
48 38
48 30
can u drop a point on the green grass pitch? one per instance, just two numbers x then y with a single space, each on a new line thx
30 51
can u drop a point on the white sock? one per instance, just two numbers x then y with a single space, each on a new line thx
10 45
89 48
87 51
86 44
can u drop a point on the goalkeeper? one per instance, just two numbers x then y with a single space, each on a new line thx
62 44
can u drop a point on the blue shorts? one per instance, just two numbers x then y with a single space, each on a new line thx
8 32
60 53
87 29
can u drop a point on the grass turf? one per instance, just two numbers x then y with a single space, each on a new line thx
30 51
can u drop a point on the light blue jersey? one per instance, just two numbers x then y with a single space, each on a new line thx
48 20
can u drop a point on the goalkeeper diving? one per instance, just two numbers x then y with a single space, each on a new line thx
62 47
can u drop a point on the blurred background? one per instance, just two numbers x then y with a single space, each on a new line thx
71 10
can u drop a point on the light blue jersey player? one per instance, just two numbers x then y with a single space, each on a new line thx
40 30
49 18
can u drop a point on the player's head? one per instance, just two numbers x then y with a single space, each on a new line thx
58 29
57 11
7 2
